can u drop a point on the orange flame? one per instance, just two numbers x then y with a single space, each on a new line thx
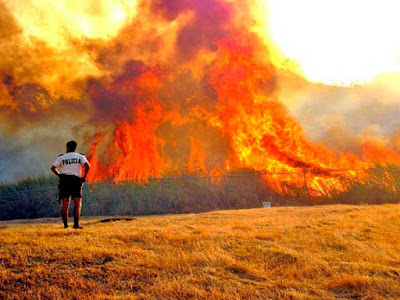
164 88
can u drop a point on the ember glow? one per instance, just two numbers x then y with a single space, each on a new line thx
156 88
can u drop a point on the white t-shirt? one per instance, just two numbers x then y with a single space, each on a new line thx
71 163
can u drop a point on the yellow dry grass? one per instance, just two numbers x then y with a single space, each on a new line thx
331 252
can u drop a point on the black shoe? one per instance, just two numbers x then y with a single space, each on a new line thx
78 227
66 226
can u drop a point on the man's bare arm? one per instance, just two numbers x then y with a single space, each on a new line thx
86 168
55 171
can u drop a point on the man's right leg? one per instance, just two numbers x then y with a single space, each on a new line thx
77 211
64 211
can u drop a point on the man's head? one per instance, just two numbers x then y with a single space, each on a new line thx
71 146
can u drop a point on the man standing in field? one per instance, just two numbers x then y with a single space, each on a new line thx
71 180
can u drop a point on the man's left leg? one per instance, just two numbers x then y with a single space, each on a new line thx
77 211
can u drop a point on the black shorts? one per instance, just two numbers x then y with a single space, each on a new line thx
70 186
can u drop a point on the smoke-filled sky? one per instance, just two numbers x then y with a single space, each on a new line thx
340 41
151 88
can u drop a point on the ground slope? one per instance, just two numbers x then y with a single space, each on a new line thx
325 252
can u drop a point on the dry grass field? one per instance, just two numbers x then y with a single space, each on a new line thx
329 252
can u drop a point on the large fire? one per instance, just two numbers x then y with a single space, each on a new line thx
163 88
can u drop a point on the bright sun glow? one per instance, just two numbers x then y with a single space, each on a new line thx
338 41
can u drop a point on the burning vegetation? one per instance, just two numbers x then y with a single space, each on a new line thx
161 88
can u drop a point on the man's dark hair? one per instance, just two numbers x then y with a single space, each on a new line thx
71 145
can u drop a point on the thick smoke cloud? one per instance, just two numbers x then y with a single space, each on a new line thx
210 24
344 118
31 149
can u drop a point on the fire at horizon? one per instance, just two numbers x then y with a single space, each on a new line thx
192 87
